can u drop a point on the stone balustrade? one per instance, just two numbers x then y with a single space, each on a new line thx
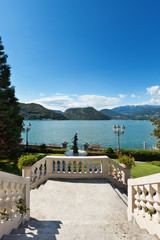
144 202
12 188
51 167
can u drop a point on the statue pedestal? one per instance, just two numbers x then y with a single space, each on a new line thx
80 153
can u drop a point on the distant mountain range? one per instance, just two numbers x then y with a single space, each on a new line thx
33 111
88 113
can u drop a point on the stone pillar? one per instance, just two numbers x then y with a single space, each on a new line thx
27 199
26 172
49 168
126 175
130 202
64 144
86 145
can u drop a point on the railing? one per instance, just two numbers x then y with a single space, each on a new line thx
12 188
51 167
144 202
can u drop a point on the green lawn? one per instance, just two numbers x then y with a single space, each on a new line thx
144 169
10 166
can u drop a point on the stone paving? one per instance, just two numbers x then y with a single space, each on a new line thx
78 210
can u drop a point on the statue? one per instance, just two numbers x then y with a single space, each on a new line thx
75 148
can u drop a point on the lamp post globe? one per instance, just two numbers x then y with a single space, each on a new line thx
118 131
27 130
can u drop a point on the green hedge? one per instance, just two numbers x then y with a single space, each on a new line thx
142 155
110 155
47 150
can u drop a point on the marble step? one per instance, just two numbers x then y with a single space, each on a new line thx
79 231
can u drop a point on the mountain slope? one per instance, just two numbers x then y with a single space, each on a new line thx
88 113
130 109
147 114
112 114
33 111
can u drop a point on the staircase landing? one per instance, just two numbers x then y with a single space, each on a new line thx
78 210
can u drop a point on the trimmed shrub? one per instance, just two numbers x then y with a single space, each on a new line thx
156 163
142 155
110 153
109 150
43 147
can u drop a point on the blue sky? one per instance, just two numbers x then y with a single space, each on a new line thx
70 53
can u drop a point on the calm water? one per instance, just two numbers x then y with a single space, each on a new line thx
48 132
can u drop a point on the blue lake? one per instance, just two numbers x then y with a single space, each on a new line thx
49 132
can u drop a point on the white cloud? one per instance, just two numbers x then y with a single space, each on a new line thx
154 91
155 101
62 102
122 96
135 96
99 102
42 94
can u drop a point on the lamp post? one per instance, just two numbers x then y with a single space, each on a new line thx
27 130
118 131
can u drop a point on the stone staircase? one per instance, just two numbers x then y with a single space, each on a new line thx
78 210
51 230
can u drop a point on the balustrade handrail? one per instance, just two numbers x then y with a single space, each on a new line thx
150 179
76 167
12 189
144 202
117 164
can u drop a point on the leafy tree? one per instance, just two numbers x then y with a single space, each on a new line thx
156 131
10 119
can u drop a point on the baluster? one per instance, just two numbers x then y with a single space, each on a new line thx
114 171
82 167
91 167
151 192
74 167
110 169
3 197
149 198
68 167
142 196
43 170
53 167
63 167
137 201
17 191
99 167
60 166
87 168
38 172
13 187
156 205
8 200
56 166
77 167
94 168
117 173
